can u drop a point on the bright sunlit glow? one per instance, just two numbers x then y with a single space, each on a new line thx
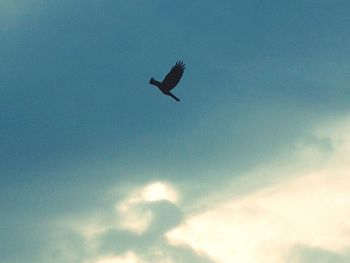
134 214
159 191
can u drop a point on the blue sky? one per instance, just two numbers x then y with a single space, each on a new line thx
98 166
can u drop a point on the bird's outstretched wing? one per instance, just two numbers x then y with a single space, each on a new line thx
174 76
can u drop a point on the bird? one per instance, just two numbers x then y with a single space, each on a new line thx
171 80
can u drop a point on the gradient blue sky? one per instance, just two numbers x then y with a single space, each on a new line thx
82 132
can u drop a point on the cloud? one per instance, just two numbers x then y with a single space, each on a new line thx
305 254
293 209
306 207
128 257
133 211
135 233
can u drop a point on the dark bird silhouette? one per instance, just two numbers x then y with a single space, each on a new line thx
171 80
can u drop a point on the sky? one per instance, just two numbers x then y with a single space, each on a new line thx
97 166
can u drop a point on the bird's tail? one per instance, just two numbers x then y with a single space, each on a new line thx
173 96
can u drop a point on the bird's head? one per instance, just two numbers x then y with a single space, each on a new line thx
154 82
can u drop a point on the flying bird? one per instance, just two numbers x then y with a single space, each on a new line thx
171 80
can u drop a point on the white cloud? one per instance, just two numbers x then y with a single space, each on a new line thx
310 208
132 212
128 257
